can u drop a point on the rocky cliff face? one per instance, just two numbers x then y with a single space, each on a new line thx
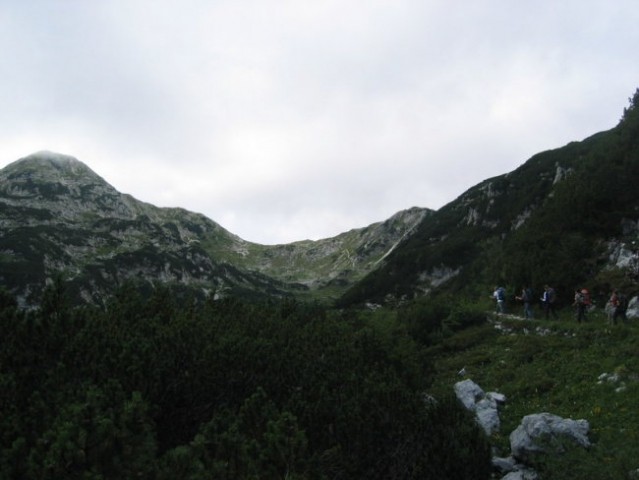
57 216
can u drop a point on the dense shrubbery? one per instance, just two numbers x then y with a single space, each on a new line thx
230 390
430 320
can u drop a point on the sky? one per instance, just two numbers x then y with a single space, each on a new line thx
285 120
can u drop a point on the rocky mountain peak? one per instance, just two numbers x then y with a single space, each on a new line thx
50 167
62 185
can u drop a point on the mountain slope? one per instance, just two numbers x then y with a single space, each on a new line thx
559 218
331 264
578 371
58 216
551 220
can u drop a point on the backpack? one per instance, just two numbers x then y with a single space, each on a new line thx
585 297
528 295
551 295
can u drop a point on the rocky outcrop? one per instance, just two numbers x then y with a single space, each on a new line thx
547 433
633 308
539 433
625 255
485 405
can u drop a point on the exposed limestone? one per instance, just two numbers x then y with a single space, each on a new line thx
438 276
545 432
539 433
473 217
485 405
633 308
561 173
623 256
521 219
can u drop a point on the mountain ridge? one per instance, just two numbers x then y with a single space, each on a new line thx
59 215
554 219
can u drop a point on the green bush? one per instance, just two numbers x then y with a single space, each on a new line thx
463 316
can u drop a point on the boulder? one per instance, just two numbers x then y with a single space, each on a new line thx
633 308
504 464
469 393
487 415
485 405
545 433
512 470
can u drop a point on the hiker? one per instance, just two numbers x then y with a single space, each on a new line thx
548 301
616 308
527 298
582 300
500 298
611 307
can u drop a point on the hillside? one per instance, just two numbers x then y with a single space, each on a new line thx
567 216
588 371
59 217
330 265
140 384
555 219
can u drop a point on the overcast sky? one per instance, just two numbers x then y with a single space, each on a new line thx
287 120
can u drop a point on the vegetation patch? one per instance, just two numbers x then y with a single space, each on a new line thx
168 387
588 371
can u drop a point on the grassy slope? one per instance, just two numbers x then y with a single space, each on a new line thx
554 366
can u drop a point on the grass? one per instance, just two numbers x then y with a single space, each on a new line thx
555 366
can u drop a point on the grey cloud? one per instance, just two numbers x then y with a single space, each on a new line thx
292 119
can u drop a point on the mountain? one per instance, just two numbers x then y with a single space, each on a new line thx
59 217
564 217
330 265
568 217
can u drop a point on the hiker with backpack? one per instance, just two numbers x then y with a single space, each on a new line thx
548 300
616 308
527 298
499 295
582 303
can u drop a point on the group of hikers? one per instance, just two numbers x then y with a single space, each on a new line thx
616 306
